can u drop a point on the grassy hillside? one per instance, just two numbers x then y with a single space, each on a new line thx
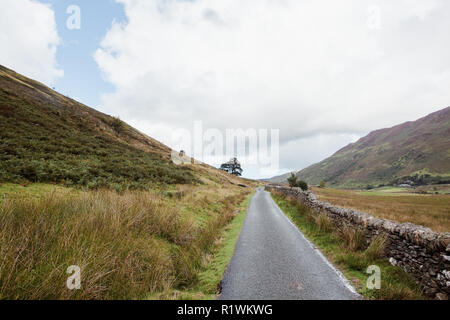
47 137
279 179
61 165
417 151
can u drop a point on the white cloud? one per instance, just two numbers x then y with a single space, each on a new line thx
29 39
314 69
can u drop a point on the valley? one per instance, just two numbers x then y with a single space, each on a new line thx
79 188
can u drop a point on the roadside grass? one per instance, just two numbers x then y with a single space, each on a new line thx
432 211
129 245
215 263
212 275
345 253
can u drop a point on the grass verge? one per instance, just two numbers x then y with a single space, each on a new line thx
345 253
211 275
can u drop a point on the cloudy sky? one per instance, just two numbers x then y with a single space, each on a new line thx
323 72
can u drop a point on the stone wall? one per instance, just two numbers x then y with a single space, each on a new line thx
417 250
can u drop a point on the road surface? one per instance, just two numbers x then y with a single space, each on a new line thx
273 260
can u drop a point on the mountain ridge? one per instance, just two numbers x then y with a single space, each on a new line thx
414 150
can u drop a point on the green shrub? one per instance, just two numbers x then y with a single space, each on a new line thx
292 180
303 185
295 183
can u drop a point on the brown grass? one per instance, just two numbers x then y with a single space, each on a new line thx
432 211
128 245
353 238
324 223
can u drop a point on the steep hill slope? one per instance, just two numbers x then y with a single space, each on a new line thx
47 137
417 151
278 179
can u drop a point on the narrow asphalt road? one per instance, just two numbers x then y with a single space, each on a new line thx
273 260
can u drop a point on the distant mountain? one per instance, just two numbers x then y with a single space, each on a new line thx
418 151
278 179
47 137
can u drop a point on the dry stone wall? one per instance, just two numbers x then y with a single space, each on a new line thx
416 249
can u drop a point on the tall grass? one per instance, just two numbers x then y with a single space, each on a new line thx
324 223
353 238
377 247
128 245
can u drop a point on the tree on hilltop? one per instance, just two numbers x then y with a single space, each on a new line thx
233 167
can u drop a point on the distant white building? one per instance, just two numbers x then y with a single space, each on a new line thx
404 185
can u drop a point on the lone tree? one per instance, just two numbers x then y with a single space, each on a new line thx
292 180
233 167
295 183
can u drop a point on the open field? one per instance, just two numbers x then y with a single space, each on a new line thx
398 191
400 205
129 245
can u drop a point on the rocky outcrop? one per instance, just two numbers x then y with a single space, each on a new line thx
416 249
